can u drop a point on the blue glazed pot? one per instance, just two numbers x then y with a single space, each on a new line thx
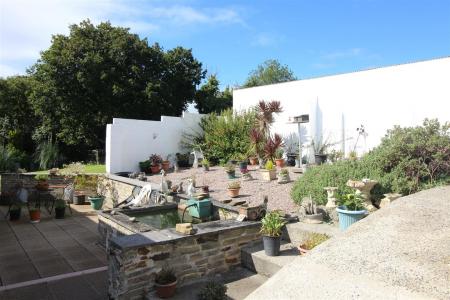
348 217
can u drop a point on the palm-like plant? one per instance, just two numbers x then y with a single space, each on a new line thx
264 116
271 146
47 155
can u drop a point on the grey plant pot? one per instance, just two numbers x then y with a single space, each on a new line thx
314 219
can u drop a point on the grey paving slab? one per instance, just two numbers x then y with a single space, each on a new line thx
73 288
39 291
18 272
51 266
98 281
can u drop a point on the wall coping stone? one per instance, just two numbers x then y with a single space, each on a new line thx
170 235
132 181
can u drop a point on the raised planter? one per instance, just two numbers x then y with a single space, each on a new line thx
348 217
96 202
272 245
268 175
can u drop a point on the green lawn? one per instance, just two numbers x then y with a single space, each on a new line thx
90 168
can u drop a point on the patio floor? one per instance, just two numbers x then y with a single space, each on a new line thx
53 259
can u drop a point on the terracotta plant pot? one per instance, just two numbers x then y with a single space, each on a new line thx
166 165
253 161
155 169
233 193
35 216
165 290
279 162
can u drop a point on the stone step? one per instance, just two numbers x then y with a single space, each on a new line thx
254 258
297 233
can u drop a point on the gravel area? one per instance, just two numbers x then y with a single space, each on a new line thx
251 191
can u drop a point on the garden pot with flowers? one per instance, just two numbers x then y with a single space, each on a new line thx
155 161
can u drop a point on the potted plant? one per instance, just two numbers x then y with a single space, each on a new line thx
144 166
96 201
182 160
243 163
311 216
314 239
205 164
165 283
42 184
14 213
35 215
320 148
231 170
166 163
350 210
279 160
60 209
269 172
283 176
233 188
271 229
213 291
155 163
253 160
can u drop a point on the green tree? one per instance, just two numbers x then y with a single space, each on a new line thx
210 99
269 72
17 119
99 72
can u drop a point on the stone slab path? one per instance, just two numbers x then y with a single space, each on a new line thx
55 249
399 252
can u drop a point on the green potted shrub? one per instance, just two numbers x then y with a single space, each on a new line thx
271 229
233 189
351 209
35 215
283 176
279 160
213 291
14 213
269 172
144 166
60 209
165 283
155 163
231 170
42 180
205 164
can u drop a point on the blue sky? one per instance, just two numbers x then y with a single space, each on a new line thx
231 38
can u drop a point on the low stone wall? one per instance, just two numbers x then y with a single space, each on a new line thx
8 182
135 260
116 188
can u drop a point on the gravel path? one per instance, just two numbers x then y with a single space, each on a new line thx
251 191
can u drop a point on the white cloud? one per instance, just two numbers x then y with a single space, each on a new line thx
26 26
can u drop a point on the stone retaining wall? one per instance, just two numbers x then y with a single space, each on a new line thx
132 271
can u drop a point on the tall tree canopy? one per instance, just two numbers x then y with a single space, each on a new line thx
17 119
269 72
99 72
210 99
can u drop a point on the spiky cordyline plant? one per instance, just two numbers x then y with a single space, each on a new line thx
271 146
264 117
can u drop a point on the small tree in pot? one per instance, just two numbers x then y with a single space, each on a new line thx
165 283
279 160
271 228
155 161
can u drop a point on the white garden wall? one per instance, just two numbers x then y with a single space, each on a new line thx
130 141
379 99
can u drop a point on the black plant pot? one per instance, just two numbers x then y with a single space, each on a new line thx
79 199
271 245
59 212
14 214
320 158
291 160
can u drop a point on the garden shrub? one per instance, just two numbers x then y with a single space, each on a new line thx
407 160
224 137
